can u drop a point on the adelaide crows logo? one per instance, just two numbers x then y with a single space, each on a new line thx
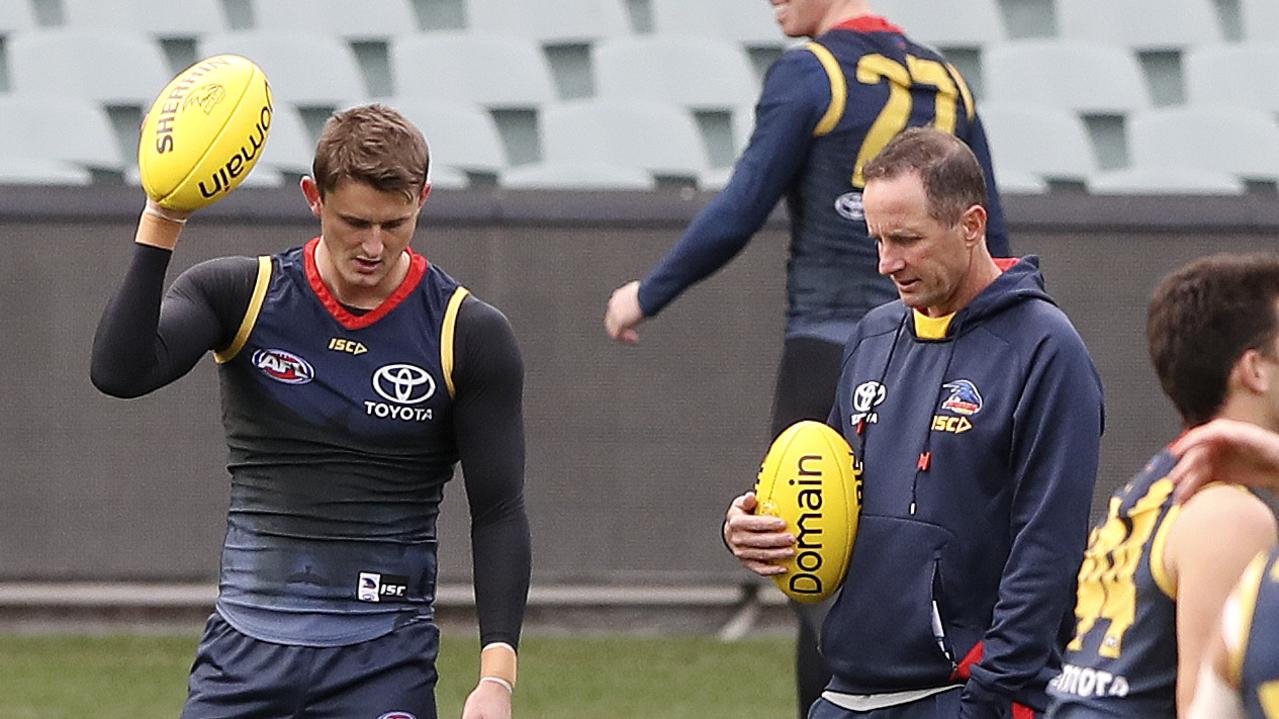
964 399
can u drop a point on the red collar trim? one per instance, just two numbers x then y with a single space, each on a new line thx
349 320
1005 263
868 23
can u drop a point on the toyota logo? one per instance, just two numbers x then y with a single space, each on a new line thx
403 383
867 395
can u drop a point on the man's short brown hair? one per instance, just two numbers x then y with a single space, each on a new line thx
952 176
373 144
1201 320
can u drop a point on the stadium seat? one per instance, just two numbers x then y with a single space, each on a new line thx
65 129
29 171
448 178
16 15
359 21
1085 78
1017 182
1260 20
1238 141
576 177
461 135
628 133
308 69
694 72
941 23
289 148
750 24
496 71
561 22
1142 25
1017 134
161 18
110 67
1213 76
1164 181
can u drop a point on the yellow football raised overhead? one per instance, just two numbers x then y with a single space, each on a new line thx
205 132
807 479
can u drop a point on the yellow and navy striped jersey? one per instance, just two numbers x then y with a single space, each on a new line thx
1254 651
1123 659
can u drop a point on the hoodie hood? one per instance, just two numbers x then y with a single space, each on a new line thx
1021 281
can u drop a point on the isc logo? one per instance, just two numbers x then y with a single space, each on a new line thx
953 425
337 344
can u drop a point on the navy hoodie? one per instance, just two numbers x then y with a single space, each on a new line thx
978 453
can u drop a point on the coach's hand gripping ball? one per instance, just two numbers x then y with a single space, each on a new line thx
205 132
807 479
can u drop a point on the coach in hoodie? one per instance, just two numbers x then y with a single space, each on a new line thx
974 412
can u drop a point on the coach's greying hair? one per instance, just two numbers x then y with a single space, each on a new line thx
952 176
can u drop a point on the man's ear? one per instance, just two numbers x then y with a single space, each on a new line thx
973 223
1253 373
426 192
311 191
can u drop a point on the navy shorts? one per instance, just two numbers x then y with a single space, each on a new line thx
238 677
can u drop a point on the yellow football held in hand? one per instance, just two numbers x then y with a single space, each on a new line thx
807 479
205 132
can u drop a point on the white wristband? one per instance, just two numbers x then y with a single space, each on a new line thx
501 681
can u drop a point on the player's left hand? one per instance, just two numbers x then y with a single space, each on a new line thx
624 313
488 700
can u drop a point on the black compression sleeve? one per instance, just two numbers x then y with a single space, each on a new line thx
488 418
143 343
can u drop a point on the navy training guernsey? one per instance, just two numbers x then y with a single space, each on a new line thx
827 109
977 440
1254 652
340 443
1123 658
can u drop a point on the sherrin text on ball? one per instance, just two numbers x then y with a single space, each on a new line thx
205 132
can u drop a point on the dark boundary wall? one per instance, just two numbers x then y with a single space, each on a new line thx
633 452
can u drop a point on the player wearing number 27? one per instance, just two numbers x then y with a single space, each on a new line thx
1156 573
826 109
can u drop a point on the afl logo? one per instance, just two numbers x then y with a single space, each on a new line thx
403 383
283 366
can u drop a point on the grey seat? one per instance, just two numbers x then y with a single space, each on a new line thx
657 137
496 71
1236 141
1140 24
310 69
971 24
1064 74
160 18
1019 132
1164 181
695 72
62 129
576 176
358 21
560 22
1212 72
112 67
750 24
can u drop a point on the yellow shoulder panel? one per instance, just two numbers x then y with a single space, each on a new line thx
250 314
446 336
838 89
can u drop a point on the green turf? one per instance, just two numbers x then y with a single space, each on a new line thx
144 677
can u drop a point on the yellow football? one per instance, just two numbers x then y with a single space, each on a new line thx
205 132
807 479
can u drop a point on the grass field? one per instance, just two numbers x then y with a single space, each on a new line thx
612 677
